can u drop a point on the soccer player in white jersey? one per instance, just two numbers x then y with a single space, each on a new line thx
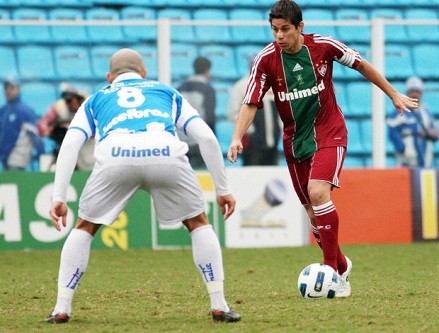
298 68
134 122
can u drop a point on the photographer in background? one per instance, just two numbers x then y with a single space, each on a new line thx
55 122
413 136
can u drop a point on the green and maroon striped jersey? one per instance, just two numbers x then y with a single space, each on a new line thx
303 92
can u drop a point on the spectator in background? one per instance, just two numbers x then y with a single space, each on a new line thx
413 135
18 129
56 120
201 95
261 139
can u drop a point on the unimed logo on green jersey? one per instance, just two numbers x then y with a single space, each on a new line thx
299 94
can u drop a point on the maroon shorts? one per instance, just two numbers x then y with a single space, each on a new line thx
324 165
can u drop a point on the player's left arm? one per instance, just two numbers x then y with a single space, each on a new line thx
401 102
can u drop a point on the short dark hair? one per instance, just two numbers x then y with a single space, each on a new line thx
201 65
287 10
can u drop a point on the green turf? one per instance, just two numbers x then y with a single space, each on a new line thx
395 289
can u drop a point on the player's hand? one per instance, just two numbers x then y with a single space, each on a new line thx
58 212
404 103
227 204
235 149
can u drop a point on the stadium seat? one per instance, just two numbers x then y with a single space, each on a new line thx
150 58
426 62
38 95
355 141
366 134
392 33
223 61
213 33
249 33
310 15
104 33
224 130
143 33
354 33
6 34
8 64
35 62
100 58
431 97
72 62
359 98
353 161
244 55
422 32
180 33
25 33
222 93
397 61
182 59
72 33
340 95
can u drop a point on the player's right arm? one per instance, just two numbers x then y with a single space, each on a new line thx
245 118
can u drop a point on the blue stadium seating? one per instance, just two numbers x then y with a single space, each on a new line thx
35 62
431 97
182 59
100 59
310 15
366 134
212 33
31 33
353 161
392 33
359 98
223 61
422 32
6 34
340 95
425 57
222 94
72 62
224 130
8 63
144 33
350 34
398 61
150 58
68 33
249 33
104 33
180 33
38 95
355 140
244 55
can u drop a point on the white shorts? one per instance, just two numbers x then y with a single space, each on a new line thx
170 181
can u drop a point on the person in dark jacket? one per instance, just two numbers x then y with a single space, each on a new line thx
18 129
201 95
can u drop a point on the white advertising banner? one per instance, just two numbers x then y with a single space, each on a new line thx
268 212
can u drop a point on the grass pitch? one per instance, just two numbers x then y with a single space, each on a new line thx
395 288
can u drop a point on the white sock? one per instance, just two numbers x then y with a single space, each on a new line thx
206 251
74 260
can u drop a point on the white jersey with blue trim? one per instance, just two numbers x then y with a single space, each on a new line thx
132 104
134 122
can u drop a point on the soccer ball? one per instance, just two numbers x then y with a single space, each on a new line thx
318 281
